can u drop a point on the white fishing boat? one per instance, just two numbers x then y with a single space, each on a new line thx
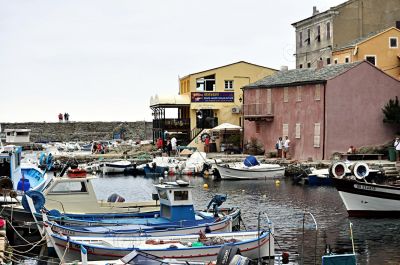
362 198
202 247
250 169
115 167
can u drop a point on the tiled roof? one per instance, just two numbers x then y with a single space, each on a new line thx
301 76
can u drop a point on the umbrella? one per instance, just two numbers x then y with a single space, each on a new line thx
226 126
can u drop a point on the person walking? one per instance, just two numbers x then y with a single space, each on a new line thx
397 147
286 145
278 147
60 117
173 145
65 117
169 146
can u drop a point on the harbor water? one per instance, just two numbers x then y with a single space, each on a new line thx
376 240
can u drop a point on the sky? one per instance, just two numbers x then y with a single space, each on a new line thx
102 60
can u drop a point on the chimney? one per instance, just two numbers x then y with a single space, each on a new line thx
284 68
320 64
315 11
398 24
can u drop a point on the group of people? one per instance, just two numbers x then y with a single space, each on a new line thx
169 147
65 117
282 147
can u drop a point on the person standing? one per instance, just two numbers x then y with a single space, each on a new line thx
397 147
286 145
169 146
207 144
60 117
65 117
278 147
173 145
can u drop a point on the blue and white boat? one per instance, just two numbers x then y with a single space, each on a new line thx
18 177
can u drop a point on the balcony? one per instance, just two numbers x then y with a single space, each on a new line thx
258 112
172 124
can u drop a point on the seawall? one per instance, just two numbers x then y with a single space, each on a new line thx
83 131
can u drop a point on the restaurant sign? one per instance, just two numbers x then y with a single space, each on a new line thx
212 97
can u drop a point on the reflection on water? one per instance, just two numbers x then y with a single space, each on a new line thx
376 240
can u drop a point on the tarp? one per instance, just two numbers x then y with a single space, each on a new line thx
226 126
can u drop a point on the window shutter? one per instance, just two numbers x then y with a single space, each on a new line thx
317 95
317 134
298 93
285 94
298 127
269 101
285 130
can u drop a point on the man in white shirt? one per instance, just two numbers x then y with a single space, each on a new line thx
397 146
286 144
173 144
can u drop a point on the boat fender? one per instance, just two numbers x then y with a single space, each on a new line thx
337 170
13 194
226 254
360 170
6 183
37 198
54 213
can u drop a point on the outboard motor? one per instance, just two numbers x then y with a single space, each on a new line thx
206 167
226 254
217 201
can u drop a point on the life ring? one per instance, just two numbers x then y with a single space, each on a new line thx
37 198
360 170
203 137
337 170
6 183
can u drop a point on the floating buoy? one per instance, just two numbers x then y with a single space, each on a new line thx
264 196
205 186
277 182
243 190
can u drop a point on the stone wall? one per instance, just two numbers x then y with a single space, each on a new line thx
83 131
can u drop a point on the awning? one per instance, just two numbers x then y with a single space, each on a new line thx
177 100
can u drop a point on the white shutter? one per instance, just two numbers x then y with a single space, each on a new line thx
298 94
285 94
298 126
285 130
317 134
317 95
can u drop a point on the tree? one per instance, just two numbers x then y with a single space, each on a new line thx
391 112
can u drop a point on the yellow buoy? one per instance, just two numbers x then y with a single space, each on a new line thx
205 186
277 182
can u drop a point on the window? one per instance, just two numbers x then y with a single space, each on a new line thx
258 129
308 65
393 42
371 59
228 84
206 83
298 127
328 61
68 187
301 39
181 195
317 134
317 94
285 94
346 60
269 101
328 30
285 129
308 40
335 61
298 93
318 38
300 65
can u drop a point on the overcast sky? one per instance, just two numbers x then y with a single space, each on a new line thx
102 60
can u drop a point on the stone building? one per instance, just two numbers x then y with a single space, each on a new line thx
322 110
318 35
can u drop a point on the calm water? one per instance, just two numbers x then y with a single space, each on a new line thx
376 240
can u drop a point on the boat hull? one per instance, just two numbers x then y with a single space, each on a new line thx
250 173
368 200
115 168
103 249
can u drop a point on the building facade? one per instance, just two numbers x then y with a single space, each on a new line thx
322 110
318 35
380 49
208 98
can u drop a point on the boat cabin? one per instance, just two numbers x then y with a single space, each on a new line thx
10 161
176 202
17 135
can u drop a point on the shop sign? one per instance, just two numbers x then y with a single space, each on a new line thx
212 97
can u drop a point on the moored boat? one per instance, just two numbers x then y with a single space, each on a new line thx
362 198
115 167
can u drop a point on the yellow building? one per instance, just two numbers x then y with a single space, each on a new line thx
381 49
206 99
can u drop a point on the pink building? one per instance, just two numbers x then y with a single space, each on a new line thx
323 110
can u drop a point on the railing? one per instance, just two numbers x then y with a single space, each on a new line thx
258 110
172 124
194 133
